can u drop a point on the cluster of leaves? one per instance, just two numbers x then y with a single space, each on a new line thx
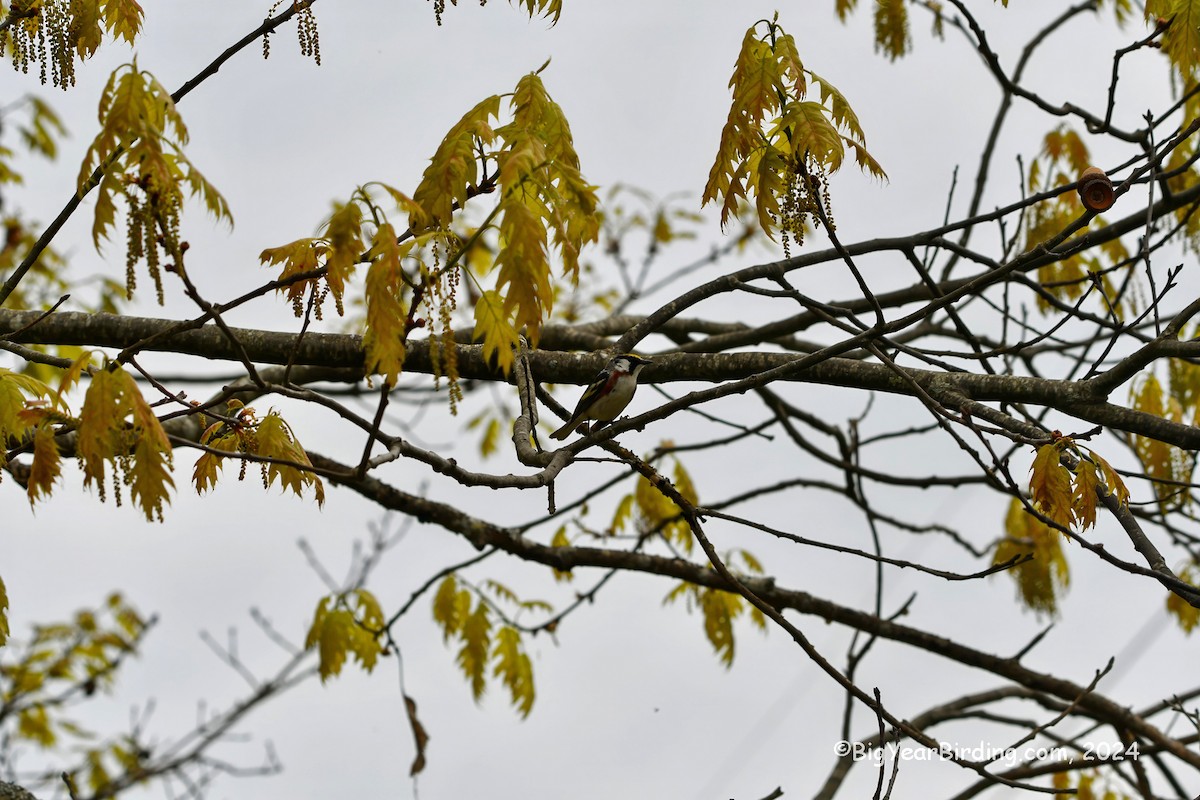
3 614
22 401
1086 785
1065 495
138 155
344 624
406 285
39 134
1185 614
657 513
1042 579
117 427
62 663
1181 37
719 608
270 439
891 23
1063 158
56 33
1169 468
653 513
465 614
777 144
543 202
1068 495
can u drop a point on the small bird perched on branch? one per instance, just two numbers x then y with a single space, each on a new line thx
607 395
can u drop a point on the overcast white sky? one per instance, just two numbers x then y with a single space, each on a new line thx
631 700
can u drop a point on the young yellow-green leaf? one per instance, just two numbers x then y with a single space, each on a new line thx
208 465
1111 478
16 393
387 311
122 18
684 484
369 615
446 610
813 133
891 28
3 613
46 465
493 326
136 113
719 609
330 635
501 591
1064 146
349 624
514 668
682 589
72 375
752 563
138 154
1165 464
774 135
205 472
476 642
453 172
622 514
546 8
524 281
1050 484
1083 496
1181 41
489 443
1184 382
214 201
407 205
149 476
560 539
659 512
541 155
298 258
276 440
33 723
43 128
840 112
1185 614
1043 579
344 235
101 423
117 424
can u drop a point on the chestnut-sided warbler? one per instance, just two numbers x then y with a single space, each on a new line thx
607 395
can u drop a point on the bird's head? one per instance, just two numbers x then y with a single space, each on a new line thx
628 362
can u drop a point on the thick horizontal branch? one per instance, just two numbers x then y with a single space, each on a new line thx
344 352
